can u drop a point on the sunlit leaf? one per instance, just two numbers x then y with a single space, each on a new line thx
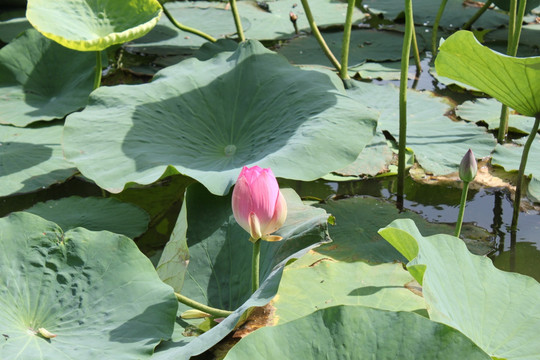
513 81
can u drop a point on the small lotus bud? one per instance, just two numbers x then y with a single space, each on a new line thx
468 167
194 314
293 17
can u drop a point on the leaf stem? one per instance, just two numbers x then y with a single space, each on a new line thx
436 27
318 36
255 264
406 50
521 172
346 41
477 15
205 308
97 78
462 204
416 52
186 28
237 21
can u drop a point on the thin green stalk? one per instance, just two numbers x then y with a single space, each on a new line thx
521 171
477 15
187 28
197 305
462 204
406 50
97 78
436 27
346 40
416 52
318 36
255 260
514 33
237 21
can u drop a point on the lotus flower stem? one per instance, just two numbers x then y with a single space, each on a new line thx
346 41
436 27
462 204
521 172
186 28
255 265
204 308
406 50
237 20
477 15
97 78
514 33
318 36
416 52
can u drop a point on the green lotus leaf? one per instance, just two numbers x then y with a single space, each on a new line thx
438 142
95 292
307 286
10 28
425 11
93 25
41 80
489 111
219 270
357 332
465 291
207 119
94 214
533 193
31 159
505 4
366 45
513 81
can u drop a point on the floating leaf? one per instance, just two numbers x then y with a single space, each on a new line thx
438 142
11 28
94 214
489 111
310 286
345 332
219 271
41 80
94 291
365 45
513 81
465 291
505 4
208 119
31 159
93 25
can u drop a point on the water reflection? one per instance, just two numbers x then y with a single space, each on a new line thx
490 209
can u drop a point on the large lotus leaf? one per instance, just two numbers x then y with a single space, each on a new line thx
95 291
425 11
529 38
366 45
357 332
386 70
207 119
10 28
94 214
438 142
533 193
219 269
465 291
309 286
41 80
31 159
93 25
513 81
374 159
489 111
505 4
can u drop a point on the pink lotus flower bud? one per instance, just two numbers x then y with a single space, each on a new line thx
258 205
468 167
